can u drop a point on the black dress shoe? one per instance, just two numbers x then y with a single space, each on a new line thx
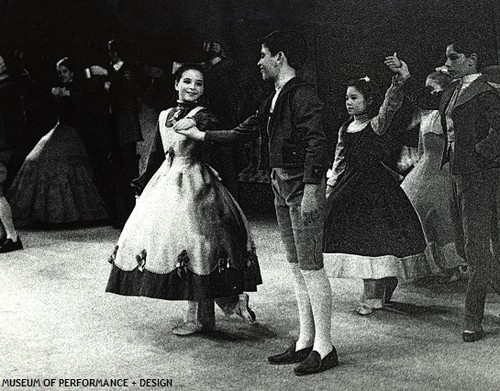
290 356
314 364
473 337
9 245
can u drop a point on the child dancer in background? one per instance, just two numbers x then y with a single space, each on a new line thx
427 186
187 238
371 231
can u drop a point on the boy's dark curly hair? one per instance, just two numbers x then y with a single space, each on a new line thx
291 43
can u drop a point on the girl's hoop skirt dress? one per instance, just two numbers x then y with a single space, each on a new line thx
56 184
187 238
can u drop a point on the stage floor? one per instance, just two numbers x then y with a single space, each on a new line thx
56 322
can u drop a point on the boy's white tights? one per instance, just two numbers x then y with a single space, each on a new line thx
314 301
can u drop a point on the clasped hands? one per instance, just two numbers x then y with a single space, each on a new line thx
187 127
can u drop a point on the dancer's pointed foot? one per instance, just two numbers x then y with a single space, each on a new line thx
243 309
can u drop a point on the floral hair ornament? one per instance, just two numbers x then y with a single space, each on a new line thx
365 78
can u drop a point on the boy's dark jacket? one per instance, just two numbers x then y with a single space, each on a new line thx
476 122
294 138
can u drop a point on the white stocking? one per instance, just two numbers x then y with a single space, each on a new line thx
320 293
306 319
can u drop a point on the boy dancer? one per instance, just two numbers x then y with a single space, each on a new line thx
294 146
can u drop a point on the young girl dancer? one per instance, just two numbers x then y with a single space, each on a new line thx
187 238
371 231
427 186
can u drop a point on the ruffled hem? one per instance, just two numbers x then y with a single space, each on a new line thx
342 265
182 284
56 184
63 194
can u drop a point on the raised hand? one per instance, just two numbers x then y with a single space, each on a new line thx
394 63
397 66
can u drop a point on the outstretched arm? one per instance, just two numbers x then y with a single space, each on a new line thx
393 97
243 133
422 97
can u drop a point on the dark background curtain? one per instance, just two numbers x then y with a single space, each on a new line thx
347 38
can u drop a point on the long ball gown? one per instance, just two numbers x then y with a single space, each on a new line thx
56 184
187 238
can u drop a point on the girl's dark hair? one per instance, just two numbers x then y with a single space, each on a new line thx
186 67
370 92
291 43
440 78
